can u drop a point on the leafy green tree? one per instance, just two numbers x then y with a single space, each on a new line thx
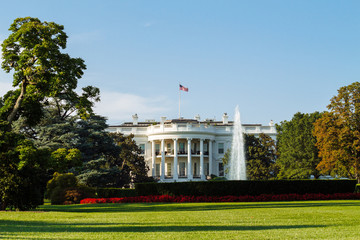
338 134
99 173
45 107
106 164
93 140
260 157
40 69
131 160
22 175
63 159
41 73
298 155
87 135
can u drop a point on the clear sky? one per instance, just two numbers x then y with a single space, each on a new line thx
273 58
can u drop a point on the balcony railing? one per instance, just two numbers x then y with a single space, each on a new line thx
197 153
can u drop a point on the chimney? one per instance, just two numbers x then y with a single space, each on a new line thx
135 119
271 123
162 120
225 118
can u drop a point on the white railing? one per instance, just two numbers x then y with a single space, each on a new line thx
181 128
204 128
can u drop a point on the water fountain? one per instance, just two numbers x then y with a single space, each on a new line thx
237 166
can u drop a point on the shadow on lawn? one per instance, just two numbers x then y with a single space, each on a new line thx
11 226
158 207
16 236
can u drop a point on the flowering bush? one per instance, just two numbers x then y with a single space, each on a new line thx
246 198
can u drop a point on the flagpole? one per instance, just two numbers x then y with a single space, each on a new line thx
179 101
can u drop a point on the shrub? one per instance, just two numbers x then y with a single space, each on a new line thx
72 196
61 181
65 189
357 188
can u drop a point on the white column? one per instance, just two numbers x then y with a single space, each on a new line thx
153 156
210 156
202 175
175 168
162 176
189 173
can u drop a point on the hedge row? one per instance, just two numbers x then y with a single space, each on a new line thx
247 198
242 188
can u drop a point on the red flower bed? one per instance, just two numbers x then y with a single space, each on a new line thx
260 198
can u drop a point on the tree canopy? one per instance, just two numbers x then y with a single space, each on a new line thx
260 157
108 160
22 175
45 124
298 155
40 70
338 134
41 73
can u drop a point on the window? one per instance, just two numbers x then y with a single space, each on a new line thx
142 148
221 148
221 170
194 151
168 148
182 147
168 170
157 149
206 149
195 169
207 169
182 169
157 169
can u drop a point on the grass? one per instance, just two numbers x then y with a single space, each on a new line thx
269 220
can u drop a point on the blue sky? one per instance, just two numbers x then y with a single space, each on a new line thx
272 58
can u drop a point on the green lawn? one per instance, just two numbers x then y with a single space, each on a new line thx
270 220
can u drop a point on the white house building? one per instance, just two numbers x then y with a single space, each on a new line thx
185 149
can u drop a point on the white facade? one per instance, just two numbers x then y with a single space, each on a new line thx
185 149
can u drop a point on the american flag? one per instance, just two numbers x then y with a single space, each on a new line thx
183 88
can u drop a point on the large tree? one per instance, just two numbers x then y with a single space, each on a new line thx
298 155
260 157
33 52
130 158
109 160
118 168
338 134
105 163
88 135
41 71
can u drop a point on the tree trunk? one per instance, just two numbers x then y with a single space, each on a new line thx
19 100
